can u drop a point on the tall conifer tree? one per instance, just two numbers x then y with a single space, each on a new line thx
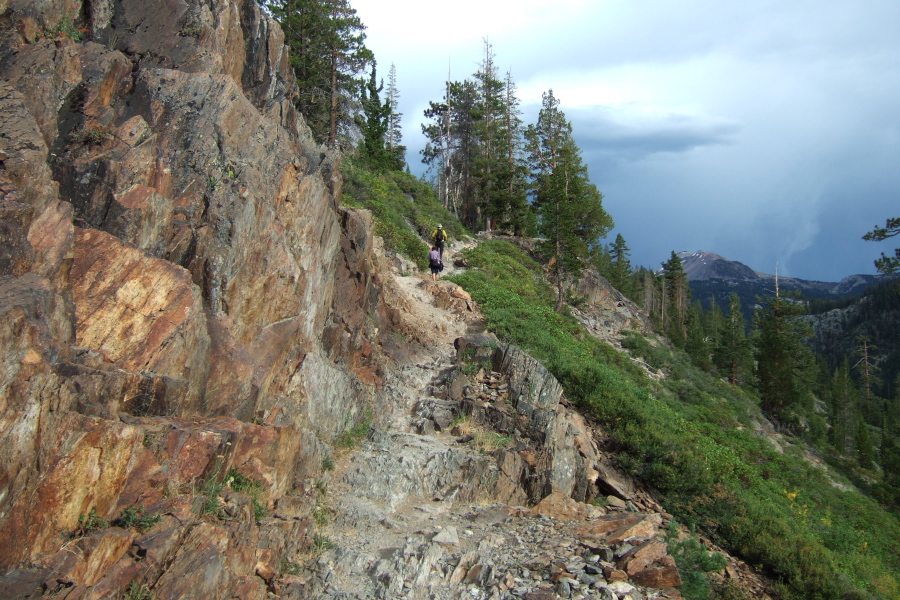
512 188
451 147
489 155
620 265
394 133
783 363
570 207
328 52
677 297
732 354
374 123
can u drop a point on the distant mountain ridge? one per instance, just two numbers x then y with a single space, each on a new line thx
705 268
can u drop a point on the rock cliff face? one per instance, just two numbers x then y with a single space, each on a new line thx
157 185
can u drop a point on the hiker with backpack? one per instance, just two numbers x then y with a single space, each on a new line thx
439 236
435 262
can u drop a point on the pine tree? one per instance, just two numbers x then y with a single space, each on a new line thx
570 207
886 264
327 53
620 266
437 151
348 57
865 451
713 324
677 297
374 126
650 295
697 343
732 353
783 363
475 150
508 206
868 371
842 400
450 149
489 154
394 139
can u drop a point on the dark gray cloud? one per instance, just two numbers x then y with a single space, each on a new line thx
606 135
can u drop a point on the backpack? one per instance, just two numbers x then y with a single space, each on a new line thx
439 235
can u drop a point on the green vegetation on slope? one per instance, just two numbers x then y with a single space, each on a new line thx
406 209
691 438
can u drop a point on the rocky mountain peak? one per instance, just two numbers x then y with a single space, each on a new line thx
707 265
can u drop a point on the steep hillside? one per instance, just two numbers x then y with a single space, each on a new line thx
711 456
216 381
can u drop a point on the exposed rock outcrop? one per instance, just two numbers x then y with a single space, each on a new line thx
181 295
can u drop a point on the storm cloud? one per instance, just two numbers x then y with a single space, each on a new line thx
767 132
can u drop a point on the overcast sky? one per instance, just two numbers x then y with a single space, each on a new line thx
767 132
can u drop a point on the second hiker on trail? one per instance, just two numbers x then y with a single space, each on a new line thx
439 236
435 262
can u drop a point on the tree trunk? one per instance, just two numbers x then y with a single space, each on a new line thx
333 117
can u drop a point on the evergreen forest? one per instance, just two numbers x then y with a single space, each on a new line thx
692 434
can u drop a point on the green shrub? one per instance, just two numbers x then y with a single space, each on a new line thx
694 563
132 518
136 591
354 434
90 522
210 495
253 488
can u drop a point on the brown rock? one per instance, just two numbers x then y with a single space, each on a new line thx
614 479
560 506
466 562
643 556
95 454
264 571
458 292
612 529
142 313
91 557
663 577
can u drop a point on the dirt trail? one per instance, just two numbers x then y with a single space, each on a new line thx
391 520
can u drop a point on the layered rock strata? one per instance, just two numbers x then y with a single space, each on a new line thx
181 295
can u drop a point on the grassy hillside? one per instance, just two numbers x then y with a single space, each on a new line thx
691 438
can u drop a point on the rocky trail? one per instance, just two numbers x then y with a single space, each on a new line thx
424 506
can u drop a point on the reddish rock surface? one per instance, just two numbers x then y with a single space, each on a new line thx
155 184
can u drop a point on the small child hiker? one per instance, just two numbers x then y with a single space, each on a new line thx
434 261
